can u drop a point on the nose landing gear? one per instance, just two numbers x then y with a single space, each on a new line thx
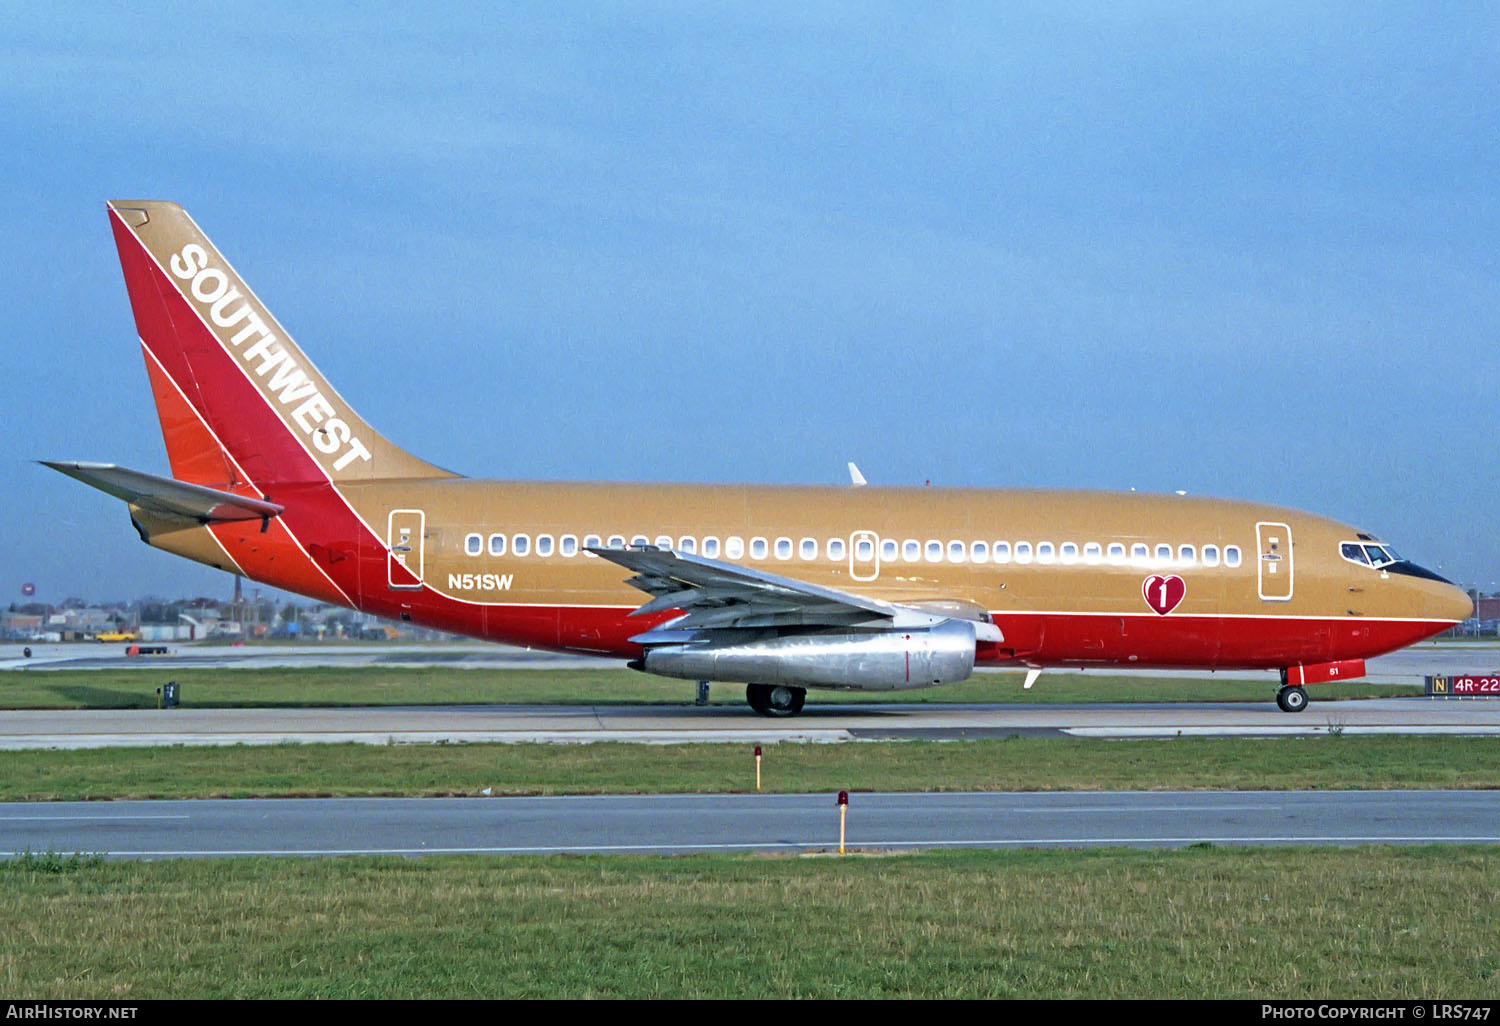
1291 699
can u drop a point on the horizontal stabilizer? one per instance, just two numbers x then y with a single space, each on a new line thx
165 495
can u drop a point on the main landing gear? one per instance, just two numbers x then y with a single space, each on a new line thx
775 699
1291 699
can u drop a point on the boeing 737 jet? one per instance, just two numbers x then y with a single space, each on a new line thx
275 477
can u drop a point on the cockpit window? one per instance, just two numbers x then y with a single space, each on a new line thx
1367 554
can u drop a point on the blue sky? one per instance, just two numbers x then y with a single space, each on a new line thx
1247 253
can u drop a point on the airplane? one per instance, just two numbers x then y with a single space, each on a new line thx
276 478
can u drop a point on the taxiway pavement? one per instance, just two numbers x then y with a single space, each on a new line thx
105 728
1407 666
662 824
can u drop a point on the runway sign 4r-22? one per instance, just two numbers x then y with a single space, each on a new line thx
1466 685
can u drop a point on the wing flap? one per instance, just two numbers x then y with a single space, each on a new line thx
726 596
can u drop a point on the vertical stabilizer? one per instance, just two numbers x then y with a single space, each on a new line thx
236 397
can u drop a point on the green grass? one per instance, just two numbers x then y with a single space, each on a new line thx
447 685
1402 923
993 764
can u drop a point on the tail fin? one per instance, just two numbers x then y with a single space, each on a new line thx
236 397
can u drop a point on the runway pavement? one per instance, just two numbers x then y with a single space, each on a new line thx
664 824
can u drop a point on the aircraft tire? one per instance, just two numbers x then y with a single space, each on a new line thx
775 699
1292 699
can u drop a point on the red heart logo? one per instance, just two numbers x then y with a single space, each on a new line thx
1163 594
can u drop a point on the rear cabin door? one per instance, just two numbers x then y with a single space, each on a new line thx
1275 563
404 528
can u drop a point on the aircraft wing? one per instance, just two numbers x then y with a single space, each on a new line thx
167 495
716 595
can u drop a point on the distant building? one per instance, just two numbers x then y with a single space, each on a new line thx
20 626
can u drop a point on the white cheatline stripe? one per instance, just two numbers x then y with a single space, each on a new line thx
1214 616
243 476
171 381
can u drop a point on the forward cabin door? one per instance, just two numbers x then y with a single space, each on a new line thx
1275 563
404 529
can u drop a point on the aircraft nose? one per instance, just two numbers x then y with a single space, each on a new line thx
1440 598
1455 604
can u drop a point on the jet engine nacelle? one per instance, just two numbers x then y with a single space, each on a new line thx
887 660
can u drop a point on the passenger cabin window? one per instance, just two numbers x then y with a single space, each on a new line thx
1138 552
979 552
521 544
687 544
711 547
758 548
836 551
616 541
1187 555
640 539
1023 552
473 544
864 549
1045 552
497 544
911 550
1232 555
663 541
1070 552
544 545
734 547
592 542
1093 552
1116 552
568 545
956 553
783 548
934 551
808 548
1210 555
1001 552
887 550
1164 553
